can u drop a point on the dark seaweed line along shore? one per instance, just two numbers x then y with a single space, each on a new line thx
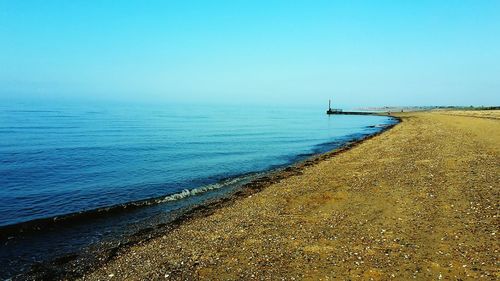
88 215
75 265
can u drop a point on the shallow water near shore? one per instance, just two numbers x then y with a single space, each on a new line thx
65 159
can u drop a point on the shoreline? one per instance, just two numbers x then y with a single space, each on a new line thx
77 264
417 202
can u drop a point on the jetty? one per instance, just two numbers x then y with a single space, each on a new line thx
337 111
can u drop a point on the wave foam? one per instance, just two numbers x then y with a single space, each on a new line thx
195 191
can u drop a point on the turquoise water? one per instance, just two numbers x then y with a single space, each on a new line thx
64 159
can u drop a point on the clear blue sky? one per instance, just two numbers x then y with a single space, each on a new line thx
361 53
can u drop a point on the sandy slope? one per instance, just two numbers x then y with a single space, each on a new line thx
419 201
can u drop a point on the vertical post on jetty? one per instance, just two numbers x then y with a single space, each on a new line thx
329 111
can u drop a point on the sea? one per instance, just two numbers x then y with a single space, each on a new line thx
82 160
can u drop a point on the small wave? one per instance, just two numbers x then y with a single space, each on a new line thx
378 126
195 191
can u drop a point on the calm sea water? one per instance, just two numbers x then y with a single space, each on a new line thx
58 159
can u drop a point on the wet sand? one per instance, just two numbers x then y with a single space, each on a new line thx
418 201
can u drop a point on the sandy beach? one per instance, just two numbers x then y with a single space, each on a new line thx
418 201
